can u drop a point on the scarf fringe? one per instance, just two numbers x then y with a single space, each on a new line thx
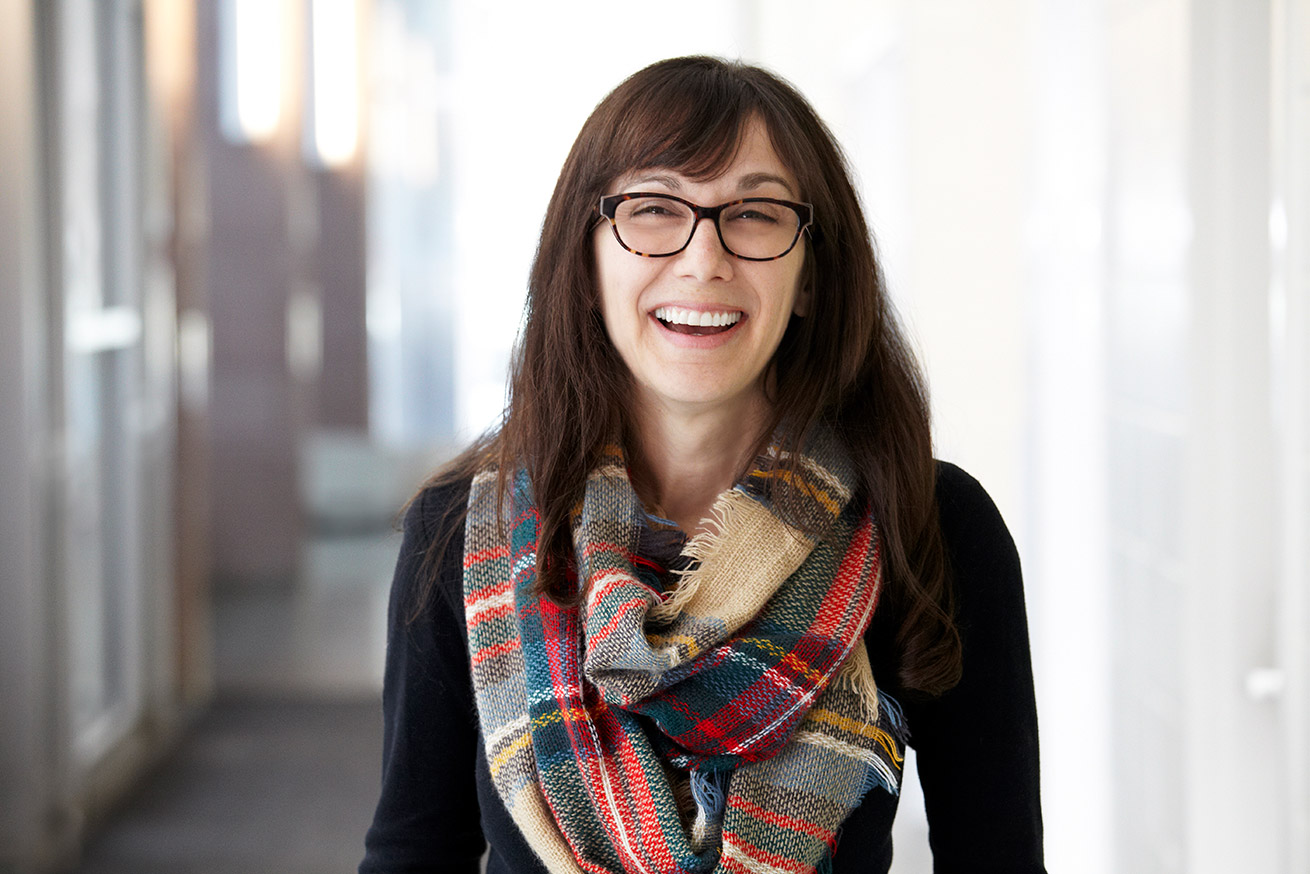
887 773
856 675
710 790
723 518
896 723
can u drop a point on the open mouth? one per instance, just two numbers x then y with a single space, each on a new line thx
697 322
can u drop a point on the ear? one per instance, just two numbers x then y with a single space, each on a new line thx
804 299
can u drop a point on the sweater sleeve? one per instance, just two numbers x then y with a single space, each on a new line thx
427 817
977 744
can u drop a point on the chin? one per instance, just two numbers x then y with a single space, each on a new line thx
703 396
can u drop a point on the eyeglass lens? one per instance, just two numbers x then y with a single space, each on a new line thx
661 226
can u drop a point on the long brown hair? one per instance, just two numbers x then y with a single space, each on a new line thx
846 364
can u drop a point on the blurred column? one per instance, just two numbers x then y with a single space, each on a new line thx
285 276
969 151
414 173
1148 227
1289 230
340 267
334 143
28 830
1230 591
178 242
261 224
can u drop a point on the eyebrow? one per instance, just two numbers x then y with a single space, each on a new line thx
660 178
755 180
747 183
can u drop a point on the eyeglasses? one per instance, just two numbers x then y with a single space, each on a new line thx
659 225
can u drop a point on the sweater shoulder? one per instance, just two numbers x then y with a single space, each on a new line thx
971 523
983 564
960 493
433 549
435 508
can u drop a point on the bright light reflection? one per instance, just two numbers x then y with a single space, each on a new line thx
258 32
336 81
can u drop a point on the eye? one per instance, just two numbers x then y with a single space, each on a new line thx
652 211
762 213
651 208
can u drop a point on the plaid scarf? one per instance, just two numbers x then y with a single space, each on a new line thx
724 721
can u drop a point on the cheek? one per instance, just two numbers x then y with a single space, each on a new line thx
804 296
616 299
793 292
606 292
620 280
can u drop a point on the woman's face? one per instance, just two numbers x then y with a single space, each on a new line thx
677 367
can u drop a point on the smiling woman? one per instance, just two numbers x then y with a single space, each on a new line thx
684 608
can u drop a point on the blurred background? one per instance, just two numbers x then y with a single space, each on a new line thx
261 265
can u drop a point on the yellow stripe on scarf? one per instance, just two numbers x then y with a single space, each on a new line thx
863 729
796 482
508 753
572 714
789 658
666 640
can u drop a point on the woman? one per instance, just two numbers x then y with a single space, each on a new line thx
684 609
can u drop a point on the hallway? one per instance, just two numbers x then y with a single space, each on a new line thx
281 774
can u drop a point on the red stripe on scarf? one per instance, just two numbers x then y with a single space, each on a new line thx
781 820
609 579
781 862
495 552
638 789
493 613
833 615
608 628
472 599
491 652
777 690
585 735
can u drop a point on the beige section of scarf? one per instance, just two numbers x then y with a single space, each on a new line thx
743 557
533 817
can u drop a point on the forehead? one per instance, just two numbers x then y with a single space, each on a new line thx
754 164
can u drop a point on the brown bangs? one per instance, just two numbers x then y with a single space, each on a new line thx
691 121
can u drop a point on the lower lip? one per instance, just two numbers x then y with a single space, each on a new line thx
699 341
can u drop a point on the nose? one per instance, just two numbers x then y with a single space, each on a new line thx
705 258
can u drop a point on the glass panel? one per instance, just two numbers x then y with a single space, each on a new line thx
99 213
79 113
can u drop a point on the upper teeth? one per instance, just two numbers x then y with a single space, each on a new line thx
679 316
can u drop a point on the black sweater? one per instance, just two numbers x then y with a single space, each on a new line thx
976 744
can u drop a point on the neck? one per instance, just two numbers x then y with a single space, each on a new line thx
684 459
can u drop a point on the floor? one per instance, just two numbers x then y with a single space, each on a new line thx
272 785
281 774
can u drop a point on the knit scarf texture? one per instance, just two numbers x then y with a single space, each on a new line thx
723 718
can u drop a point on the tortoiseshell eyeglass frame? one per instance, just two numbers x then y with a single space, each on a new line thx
609 205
